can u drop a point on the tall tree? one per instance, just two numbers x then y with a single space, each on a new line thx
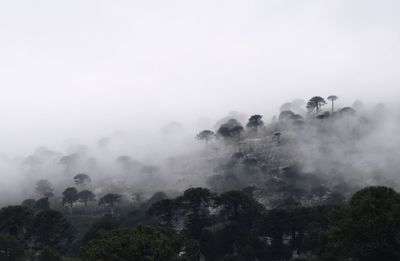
315 103
230 129
44 188
205 135
82 179
237 131
85 196
110 199
255 122
70 196
333 98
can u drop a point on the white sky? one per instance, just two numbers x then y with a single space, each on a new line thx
85 68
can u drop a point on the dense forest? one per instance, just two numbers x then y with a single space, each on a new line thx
318 182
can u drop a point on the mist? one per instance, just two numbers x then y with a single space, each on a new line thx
104 80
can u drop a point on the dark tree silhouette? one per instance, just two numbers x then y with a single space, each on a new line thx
315 103
85 196
44 188
82 179
333 98
230 129
70 196
205 135
110 199
237 131
255 122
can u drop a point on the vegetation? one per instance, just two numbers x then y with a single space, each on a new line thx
260 202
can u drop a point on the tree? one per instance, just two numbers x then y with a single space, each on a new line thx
231 128
50 228
164 210
110 199
14 220
205 135
333 98
194 205
82 179
28 203
142 243
11 249
367 229
236 131
85 196
44 188
315 103
42 204
98 230
70 196
255 122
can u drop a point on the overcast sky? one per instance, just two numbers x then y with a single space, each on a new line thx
81 69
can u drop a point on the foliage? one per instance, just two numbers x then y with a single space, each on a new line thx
255 122
81 179
315 103
14 220
367 229
70 196
11 249
140 243
49 228
110 199
205 135
230 129
85 196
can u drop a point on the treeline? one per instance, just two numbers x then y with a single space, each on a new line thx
201 225
280 191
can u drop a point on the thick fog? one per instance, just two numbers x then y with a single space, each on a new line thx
120 89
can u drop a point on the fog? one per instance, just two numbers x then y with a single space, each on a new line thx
130 78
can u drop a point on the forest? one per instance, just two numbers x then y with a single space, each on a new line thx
317 182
